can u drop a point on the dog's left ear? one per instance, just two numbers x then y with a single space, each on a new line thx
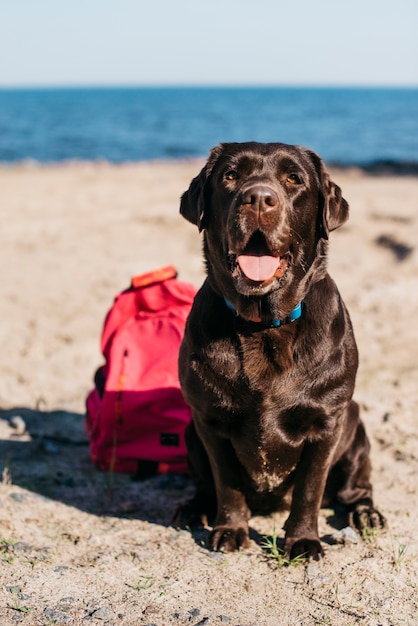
333 208
194 201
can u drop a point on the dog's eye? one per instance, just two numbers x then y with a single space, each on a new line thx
293 179
231 175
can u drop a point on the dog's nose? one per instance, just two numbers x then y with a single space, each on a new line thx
260 198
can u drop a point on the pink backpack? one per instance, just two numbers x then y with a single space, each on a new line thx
136 414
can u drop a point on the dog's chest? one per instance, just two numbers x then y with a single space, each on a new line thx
250 367
257 392
267 466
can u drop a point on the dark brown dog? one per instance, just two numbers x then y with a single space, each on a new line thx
269 360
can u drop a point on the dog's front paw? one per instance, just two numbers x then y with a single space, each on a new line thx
229 538
365 517
306 548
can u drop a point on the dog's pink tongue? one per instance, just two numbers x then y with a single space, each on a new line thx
258 268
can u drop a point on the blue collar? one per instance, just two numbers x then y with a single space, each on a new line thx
294 315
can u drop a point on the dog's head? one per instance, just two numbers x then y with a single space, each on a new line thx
266 211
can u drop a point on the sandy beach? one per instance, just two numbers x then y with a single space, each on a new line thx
79 546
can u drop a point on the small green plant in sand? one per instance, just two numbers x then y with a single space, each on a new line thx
144 582
270 545
19 608
17 605
5 551
399 553
369 535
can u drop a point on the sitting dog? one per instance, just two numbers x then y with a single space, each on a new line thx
268 361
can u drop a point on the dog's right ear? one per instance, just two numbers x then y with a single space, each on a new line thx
194 202
192 205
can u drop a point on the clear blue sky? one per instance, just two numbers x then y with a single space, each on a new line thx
233 42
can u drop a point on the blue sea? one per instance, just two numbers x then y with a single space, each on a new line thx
346 126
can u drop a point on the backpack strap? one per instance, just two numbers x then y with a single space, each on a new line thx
156 276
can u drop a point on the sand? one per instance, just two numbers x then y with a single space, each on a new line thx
80 546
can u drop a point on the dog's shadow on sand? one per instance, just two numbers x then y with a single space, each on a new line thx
46 453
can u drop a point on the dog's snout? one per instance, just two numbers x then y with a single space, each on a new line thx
260 198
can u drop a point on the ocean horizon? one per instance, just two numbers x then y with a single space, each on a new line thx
348 126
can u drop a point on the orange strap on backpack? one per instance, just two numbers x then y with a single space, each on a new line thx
156 276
